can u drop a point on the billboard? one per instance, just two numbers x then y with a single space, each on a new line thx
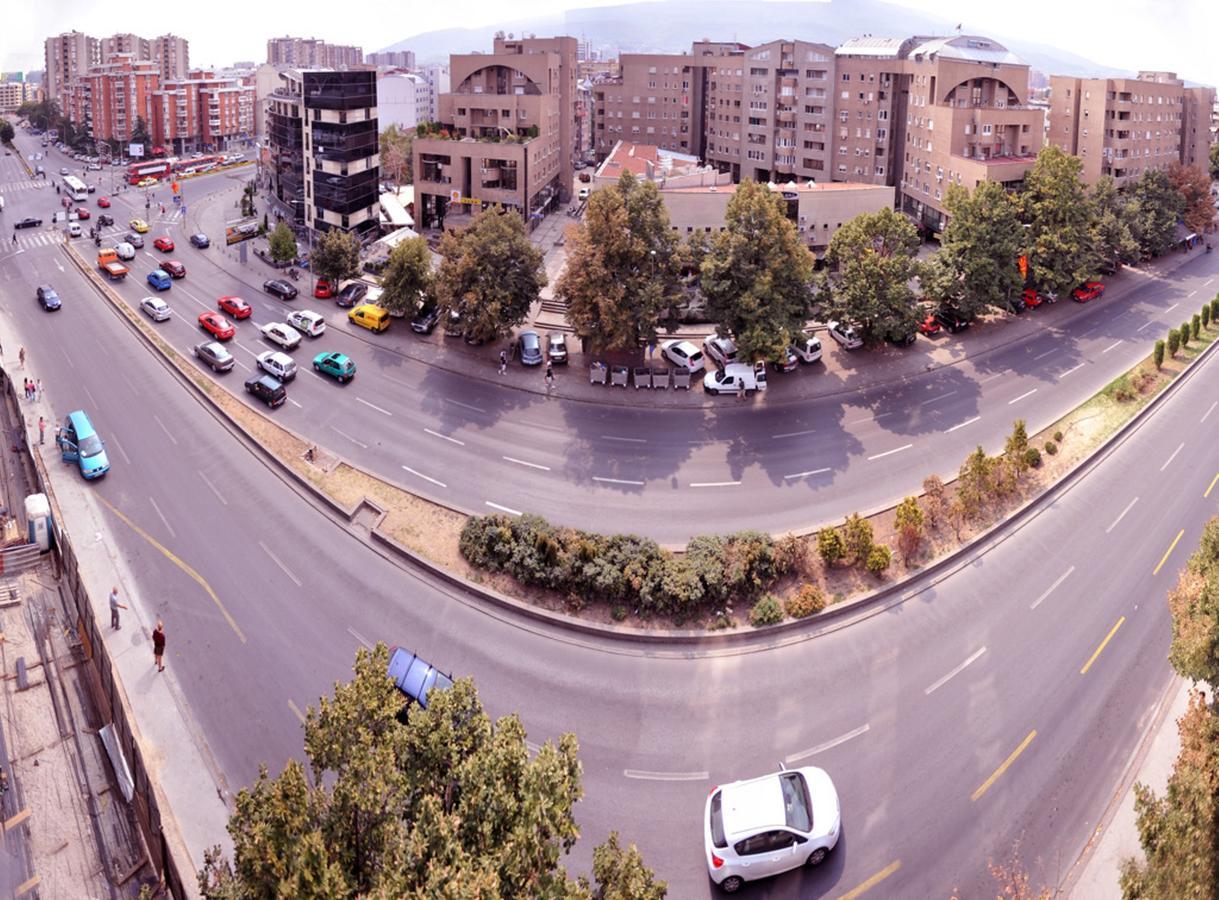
135 151
240 230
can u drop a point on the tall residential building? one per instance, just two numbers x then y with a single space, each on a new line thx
172 56
437 77
112 98
323 146
307 53
130 44
513 114
68 55
1197 134
403 99
868 110
12 95
202 112
403 59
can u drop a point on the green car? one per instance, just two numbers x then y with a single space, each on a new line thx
337 365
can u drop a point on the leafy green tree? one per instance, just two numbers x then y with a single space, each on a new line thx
6 132
1159 207
336 256
396 147
139 134
872 264
981 247
407 278
691 253
1184 331
1194 604
879 559
1195 326
1206 315
1060 217
1113 230
1158 354
1174 342
282 243
621 275
910 524
449 804
490 274
757 275
857 534
1017 445
976 483
830 545
1194 186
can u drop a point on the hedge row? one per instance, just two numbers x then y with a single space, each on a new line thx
626 569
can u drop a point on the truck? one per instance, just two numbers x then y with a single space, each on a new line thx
414 677
115 271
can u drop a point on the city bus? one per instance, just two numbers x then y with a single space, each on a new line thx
196 164
151 168
75 188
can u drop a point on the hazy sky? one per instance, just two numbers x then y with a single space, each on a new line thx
1130 34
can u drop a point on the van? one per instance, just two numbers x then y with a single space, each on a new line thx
106 255
374 318
79 443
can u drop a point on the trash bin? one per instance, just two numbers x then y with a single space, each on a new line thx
619 376
598 373
660 378
38 515
643 377
681 379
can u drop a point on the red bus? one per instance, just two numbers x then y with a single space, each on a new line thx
150 168
186 166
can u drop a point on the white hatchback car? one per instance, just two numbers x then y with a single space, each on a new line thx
763 826
846 335
684 355
284 335
278 365
306 321
808 349
124 250
155 308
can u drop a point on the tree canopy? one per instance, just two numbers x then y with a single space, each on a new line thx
407 277
1059 214
756 275
1194 186
1159 207
336 255
6 132
1113 228
1194 604
1214 160
621 275
282 243
396 146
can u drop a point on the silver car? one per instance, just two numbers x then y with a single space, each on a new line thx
531 348
214 355
155 308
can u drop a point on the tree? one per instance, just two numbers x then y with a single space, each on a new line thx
283 243
621 275
1194 604
857 535
139 133
975 482
1174 342
909 521
756 276
447 804
1158 354
1060 217
490 274
336 256
1194 186
396 154
1159 207
6 132
407 278
981 247
830 545
872 262
1214 160
1113 229
691 253
1017 445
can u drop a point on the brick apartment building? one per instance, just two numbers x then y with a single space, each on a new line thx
108 101
202 112
311 53
1124 127
513 133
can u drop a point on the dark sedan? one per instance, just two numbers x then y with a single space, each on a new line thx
279 288
47 297
200 241
27 222
351 294
174 268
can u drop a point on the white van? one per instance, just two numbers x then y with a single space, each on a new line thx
730 379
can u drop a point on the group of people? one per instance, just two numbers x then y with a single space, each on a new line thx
158 634
33 389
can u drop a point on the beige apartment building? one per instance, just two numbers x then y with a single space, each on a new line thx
509 134
67 56
1197 132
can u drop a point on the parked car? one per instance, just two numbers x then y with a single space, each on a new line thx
323 289
215 356
277 287
306 321
902 340
280 333
164 243
351 294
266 388
1033 298
929 325
846 335
235 307
1089 290
684 355
789 363
808 349
952 320
160 280
583 194
47 298
368 315
556 348
155 308
79 443
338 366
216 325
531 348
730 379
200 241
278 364
721 350
425 319
174 268
765 826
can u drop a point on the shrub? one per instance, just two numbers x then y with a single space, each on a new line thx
831 545
879 558
707 554
1058 436
975 482
1206 315
1184 332
752 563
1032 457
1051 448
1017 444
1195 326
908 520
1158 354
808 601
1174 342
618 613
766 611
857 535
935 501
1215 309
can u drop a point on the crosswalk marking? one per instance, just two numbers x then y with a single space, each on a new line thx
27 184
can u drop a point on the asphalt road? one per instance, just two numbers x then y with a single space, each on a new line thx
1051 644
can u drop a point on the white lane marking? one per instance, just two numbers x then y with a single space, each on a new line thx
373 406
365 642
1144 325
425 477
957 671
246 349
1190 294
1022 396
1208 282
168 433
938 399
1121 515
126 458
1047 353
1111 346
992 377
702 484
869 418
349 437
89 394
788 434
172 533
477 409
1171 458
213 487
507 509
1052 587
1069 371
295 403
1208 412
625 440
58 265
966 422
66 356
798 475
275 559
616 481
890 452
812 751
445 437
666 776
521 462
1171 308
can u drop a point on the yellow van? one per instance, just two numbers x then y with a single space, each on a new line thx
370 316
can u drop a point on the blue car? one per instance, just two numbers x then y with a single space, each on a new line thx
160 279
79 443
338 366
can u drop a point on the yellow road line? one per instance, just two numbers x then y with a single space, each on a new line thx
1164 558
873 881
986 785
1108 638
1214 481
172 557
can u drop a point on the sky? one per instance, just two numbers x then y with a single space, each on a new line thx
1127 34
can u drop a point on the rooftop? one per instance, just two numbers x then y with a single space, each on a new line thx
870 46
967 47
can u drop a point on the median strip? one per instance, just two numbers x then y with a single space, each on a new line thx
995 776
1103 644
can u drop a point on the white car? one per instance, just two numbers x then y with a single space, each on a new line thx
684 355
284 335
277 365
720 349
763 826
808 349
583 194
73 229
729 379
845 335
306 321
155 308
124 250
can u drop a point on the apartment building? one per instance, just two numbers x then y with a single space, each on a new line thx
172 56
202 112
1197 133
438 80
402 59
403 99
131 44
67 56
111 99
12 95
868 113
306 53
507 133
323 149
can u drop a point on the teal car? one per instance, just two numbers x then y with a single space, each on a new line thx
160 279
338 366
79 443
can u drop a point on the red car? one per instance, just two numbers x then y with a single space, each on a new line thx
82 212
929 325
164 244
324 289
1033 298
216 325
174 268
235 307
1088 291
103 202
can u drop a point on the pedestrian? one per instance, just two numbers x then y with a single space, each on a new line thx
158 645
21 358
115 606
740 390
503 361
42 430
549 376
38 390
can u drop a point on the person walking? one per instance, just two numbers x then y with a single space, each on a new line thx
21 358
740 390
115 606
549 376
38 390
42 430
158 645
503 362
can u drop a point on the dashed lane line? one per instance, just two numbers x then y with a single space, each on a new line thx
425 477
966 422
1167 553
1171 458
930 689
508 509
1022 396
712 484
1044 355
939 398
1069 371
799 475
1209 410
788 434
624 440
1103 645
665 776
168 433
872 882
828 745
173 534
374 406
445 437
275 559
617 481
998 773
1112 346
1121 515
890 452
1053 587
208 482
469 406
342 433
522 462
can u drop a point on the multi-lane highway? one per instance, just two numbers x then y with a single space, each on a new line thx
997 704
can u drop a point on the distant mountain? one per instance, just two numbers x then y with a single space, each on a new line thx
671 26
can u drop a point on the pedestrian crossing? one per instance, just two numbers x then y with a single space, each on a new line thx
28 184
32 238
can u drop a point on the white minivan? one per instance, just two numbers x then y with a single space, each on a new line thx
733 376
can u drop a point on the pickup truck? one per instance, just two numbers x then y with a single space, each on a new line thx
414 677
115 271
